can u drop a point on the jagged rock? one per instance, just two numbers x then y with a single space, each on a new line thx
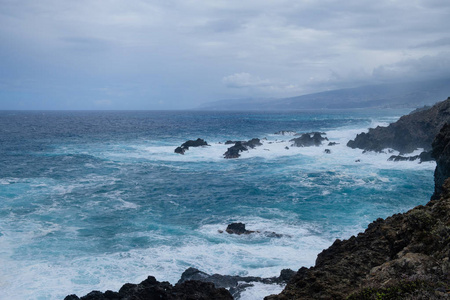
426 156
309 139
405 250
410 132
233 152
197 143
403 158
152 289
287 148
332 144
327 151
236 284
441 152
237 228
180 150
190 143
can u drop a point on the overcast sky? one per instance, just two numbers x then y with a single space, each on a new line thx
171 54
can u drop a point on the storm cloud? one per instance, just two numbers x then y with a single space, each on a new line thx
140 54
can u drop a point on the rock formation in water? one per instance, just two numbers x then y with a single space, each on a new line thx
410 132
240 146
190 143
235 284
309 139
152 289
405 256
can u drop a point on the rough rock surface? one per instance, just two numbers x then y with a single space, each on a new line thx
410 132
236 284
309 139
406 254
441 152
190 143
150 289
240 146
237 228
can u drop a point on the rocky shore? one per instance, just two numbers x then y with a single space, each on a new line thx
405 256
410 132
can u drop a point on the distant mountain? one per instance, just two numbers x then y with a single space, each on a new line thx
394 95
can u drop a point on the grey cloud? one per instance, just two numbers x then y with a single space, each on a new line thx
435 43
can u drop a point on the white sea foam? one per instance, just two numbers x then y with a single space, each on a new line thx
260 290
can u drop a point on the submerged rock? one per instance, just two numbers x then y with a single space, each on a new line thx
153 289
286 132
309 139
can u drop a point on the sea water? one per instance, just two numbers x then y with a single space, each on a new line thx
92 200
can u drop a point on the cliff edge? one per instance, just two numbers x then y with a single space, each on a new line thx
410 132
405 256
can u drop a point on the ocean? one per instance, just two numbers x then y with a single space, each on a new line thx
90 200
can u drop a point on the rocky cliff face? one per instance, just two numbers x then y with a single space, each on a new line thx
416 130
405 256
441 153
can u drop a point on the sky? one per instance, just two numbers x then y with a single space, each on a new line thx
171 54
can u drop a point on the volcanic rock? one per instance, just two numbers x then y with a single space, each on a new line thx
237 228
152 289
410 132
234 151
309 139
405 256
441 152
190 143
236 284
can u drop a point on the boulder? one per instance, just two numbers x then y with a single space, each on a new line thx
237 228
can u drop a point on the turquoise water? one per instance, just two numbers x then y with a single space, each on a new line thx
91 200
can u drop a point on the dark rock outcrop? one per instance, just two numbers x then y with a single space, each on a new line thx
410 132
424 156
332 144
234 151
309 139
237 228
152 289
190 143
236 284
441 152
405 255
